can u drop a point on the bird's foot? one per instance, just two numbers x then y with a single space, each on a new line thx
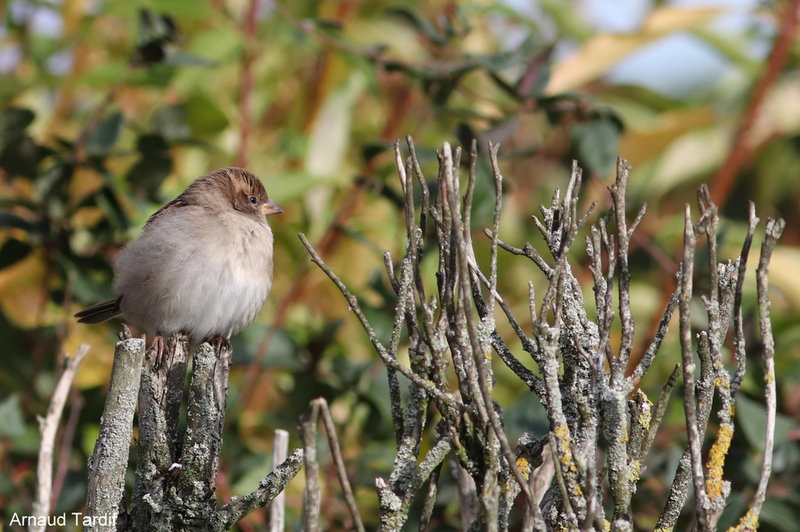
161 348
218 342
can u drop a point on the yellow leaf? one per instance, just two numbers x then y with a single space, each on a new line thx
603 51
691 156
783 276
96 367
87 217
22 294
642 144
84 182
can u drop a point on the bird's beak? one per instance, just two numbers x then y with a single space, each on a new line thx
270 207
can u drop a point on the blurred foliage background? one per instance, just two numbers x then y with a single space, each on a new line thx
110 109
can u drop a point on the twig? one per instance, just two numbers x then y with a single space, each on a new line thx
659 411
277 507
48 426
618 191
321 407
438 395
739 350
312 493
268 489
67 440
774 230
687 353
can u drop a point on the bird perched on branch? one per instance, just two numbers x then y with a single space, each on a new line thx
203 263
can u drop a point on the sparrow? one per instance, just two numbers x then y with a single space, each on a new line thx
202 264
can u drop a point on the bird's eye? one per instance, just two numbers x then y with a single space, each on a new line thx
253 200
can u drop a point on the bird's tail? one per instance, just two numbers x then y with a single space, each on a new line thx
101 311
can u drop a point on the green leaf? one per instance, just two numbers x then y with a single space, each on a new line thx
259 467
204 116
511 58
596 144
12 423
51 180
781 514
525 415
181 8
483 197
107 200
88 438
291 185
13 251
105 74
417 21
89 283
178 58
153 166
170 122
20 157
282 348
752 418
105 135
8 219
13 123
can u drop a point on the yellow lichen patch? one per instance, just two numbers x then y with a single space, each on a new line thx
769 377
645 418
577 490
566 459
716 461
633 472
524 467
748 522
562 435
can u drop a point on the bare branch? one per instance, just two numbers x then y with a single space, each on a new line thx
268 489
48 426
687 353
439 396
774 230
277 510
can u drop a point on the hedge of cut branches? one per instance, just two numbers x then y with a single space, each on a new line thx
582 474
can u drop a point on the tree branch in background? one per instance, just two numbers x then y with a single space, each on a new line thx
48 426
277 510
311 497
741 147
250 33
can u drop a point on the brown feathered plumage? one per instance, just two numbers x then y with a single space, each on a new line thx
203 263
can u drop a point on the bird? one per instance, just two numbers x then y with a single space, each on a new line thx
202 265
